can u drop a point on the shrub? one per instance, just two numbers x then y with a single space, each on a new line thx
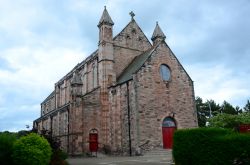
59 158
210 146
6 142
229 121
31 149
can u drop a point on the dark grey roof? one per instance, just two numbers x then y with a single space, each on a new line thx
49 97
158 33
105 19
134 66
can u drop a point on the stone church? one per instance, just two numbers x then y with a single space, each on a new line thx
129 95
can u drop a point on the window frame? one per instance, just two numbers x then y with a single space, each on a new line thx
161 71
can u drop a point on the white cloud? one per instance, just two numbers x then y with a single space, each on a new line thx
219 83
34 68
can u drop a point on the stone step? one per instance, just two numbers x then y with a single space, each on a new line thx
159 152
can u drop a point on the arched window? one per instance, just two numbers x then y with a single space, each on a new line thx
165 72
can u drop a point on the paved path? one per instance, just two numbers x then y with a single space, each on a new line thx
111 160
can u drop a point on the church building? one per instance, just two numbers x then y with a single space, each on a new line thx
129 95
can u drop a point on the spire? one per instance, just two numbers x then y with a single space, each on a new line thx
158 33
105 19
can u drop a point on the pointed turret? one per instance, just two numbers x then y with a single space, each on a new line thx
105 26
106 51
158 35
105 19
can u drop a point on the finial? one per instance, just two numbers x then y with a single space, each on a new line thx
132 14
104 7
156 22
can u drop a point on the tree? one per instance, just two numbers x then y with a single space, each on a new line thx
228 108
238 110
31 149
229 121
223 121
6 142
247 106
201 112
215 108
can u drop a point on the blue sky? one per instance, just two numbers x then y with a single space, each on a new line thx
40 41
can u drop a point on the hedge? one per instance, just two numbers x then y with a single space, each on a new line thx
210 146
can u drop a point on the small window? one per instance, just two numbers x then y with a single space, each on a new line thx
165 72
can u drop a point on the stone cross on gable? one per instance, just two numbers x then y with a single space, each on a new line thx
132 14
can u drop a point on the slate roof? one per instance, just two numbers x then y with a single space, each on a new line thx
49 97
134 66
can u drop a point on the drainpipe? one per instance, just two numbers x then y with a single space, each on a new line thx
129 124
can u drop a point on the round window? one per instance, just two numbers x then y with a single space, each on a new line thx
165 72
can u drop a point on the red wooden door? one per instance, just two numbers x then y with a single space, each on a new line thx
93 142
167 135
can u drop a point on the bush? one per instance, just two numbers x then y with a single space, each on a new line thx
210 146
6 142
59 158
229 121
31 149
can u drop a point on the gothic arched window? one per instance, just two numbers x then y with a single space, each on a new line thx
165 72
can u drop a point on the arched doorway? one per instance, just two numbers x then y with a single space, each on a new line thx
168 128
93 140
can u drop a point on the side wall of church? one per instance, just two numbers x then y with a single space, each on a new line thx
69 127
